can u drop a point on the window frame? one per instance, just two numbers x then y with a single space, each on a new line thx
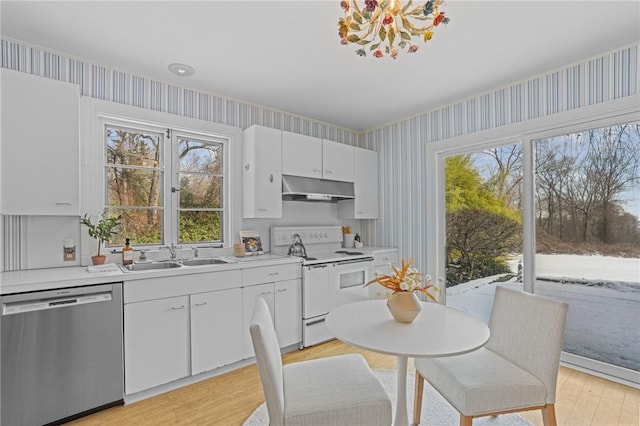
94 113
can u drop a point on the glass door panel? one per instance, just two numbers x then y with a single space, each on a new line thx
587 191
483 214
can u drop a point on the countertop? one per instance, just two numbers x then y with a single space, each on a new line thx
64 277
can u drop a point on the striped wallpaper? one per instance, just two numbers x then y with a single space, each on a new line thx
401 145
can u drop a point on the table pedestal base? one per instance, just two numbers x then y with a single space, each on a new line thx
402 419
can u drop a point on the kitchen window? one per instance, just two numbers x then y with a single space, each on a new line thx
167 184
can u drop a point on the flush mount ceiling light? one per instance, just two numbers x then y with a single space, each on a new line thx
182 70
389 25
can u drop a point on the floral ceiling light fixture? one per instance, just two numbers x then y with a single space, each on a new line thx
388 26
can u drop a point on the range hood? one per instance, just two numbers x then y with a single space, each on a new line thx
297 188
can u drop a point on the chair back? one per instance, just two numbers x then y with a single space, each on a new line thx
528 330
269 359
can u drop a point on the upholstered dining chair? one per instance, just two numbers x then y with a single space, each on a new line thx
338 390
516 370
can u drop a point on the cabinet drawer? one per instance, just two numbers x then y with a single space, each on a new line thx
178 285
383 259
268 274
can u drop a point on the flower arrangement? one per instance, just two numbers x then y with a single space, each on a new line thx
406 279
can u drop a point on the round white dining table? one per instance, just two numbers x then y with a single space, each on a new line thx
437 331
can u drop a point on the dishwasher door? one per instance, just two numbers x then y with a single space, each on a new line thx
62 353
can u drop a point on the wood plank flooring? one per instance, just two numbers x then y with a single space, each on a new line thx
230 398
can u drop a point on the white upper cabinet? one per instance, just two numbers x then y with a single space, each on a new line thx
301 155
365 186
337 161
262 172
312 157
40 146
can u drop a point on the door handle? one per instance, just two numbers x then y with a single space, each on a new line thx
319 321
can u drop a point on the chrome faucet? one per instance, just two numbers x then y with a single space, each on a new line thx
195 251
172 250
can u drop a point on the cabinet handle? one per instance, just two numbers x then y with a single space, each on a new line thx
64 204
271 178
359 212
200 304
329 172
246 166
264 293
317 170
177 308
280 290
263 210
274 273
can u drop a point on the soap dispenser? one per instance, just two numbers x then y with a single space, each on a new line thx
127 253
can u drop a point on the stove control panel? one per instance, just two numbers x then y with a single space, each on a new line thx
283 236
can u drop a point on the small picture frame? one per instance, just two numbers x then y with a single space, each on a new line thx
252 243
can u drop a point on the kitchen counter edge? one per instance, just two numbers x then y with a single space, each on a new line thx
23 281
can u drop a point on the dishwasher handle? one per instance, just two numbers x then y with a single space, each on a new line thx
55 299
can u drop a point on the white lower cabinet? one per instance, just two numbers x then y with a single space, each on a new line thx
216 329
156 339
179 326
284 298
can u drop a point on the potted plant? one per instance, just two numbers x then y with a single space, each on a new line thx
106 226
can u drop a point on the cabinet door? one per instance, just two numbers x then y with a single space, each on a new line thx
262 171
40 132
216 329
249 297
365 185
301 155
288 316
156 342
337 161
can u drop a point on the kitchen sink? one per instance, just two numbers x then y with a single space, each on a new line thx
150 266
210 261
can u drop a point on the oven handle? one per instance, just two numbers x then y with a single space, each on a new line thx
318 321
323 265
348 262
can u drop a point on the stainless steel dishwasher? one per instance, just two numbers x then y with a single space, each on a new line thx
61 354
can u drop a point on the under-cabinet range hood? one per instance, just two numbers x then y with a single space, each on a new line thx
297 188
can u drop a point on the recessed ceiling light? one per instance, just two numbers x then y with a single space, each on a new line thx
182 70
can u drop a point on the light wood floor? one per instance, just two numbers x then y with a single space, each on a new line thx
228 399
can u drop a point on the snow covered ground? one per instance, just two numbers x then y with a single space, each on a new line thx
603 294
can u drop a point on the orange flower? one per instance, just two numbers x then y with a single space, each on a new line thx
378 53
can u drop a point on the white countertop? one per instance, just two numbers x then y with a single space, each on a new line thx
53 278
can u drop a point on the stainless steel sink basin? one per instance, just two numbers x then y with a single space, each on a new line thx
201 262
150 266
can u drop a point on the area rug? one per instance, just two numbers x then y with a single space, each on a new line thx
436 411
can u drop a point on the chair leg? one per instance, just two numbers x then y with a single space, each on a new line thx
549 415
466 420
417 398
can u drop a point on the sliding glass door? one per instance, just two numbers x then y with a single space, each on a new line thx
555 213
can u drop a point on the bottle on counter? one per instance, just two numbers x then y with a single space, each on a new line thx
127 253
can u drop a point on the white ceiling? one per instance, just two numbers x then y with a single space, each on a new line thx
287 54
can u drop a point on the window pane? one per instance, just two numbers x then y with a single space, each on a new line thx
588 239
141 226
133 148
200 157
483 226
200 226
200 191
133 187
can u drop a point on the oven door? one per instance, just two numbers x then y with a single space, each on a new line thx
315 291
346 281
